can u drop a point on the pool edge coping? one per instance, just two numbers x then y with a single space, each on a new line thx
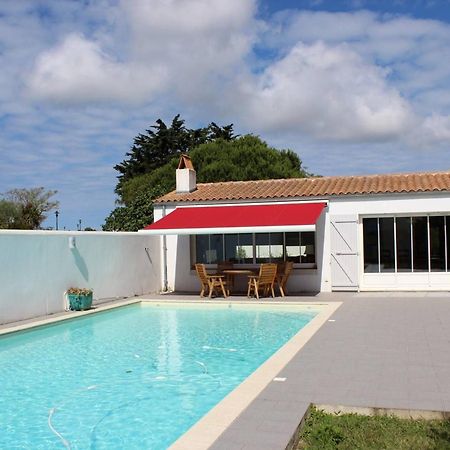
209 428
71 315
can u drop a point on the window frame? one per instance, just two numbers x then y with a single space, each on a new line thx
411 216
193 251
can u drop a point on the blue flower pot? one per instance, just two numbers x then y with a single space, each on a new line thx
80 302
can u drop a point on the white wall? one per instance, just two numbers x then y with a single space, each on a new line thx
36 268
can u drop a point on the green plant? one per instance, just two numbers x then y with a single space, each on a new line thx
79 291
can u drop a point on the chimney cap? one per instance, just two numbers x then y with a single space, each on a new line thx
185 163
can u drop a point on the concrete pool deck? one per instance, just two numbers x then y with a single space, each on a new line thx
384 350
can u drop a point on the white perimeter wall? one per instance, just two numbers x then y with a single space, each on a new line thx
36 268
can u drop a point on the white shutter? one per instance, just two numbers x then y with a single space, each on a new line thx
344 253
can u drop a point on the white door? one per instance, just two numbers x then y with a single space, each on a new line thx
344 253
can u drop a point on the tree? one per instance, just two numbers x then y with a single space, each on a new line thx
136 215
32 204
242 158
160 143
9 214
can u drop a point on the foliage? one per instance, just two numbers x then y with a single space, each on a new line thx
324 431
9 214
217 154
244 158
137 214
160 143
79 291
28 207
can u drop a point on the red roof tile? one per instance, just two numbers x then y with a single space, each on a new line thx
314 187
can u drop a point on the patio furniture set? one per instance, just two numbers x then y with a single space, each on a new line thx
263 281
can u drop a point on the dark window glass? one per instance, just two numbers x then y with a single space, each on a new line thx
269 247
231 247
370 237
276 247
437 243
308 247
262 241
403 227
209 248
387 254
239 248
420 244
448 242
201 248
293 247
245 249
216 248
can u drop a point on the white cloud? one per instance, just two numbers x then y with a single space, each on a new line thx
435 129
392 87
340 76
328 92
186 46
78 71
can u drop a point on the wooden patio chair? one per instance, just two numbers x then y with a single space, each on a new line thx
265 280
284 270
210 283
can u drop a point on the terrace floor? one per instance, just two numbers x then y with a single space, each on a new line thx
386 350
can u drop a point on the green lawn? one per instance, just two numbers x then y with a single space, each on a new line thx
324 431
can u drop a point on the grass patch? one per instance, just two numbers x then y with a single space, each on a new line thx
324 431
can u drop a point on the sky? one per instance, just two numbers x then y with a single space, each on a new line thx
353 86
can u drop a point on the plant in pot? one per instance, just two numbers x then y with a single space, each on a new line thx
79 298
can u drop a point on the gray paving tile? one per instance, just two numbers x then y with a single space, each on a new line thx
225 445
271 439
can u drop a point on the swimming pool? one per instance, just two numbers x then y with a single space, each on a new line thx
134 377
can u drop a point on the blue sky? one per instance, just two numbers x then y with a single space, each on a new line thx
353 86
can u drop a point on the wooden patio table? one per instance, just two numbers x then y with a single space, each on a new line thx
231 273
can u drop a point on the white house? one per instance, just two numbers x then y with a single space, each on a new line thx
376 232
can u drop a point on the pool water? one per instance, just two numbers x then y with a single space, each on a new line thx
134 377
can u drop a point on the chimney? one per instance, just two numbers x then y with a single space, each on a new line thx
186 176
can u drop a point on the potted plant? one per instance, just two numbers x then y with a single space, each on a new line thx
79 298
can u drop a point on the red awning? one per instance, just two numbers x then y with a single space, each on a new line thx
239 219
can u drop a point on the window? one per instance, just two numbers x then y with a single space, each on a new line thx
370 238
269 247
437 243
293 247
239 248
209 248
420 244
403 237
406 244
248 248
387 253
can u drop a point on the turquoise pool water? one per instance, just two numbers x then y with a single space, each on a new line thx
134 377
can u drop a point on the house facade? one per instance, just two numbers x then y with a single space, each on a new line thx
357 233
